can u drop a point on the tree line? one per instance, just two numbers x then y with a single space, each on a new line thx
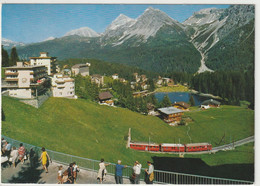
232 86
9 61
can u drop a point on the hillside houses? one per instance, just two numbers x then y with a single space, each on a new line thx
161 81
98 79
115 76
139 78
82 69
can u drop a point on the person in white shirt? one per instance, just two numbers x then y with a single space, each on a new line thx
150 173
101 171
14 156
60 174
137 171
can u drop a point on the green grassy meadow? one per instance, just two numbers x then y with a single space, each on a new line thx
177 88
86 129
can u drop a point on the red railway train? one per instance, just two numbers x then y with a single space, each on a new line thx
171 147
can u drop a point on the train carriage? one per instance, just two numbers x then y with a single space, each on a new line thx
195 147
171 147
144 146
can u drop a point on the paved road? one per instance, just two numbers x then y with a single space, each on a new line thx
23 173
235 144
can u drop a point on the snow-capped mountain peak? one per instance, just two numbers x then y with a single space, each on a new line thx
204 16
49 38
10 43
147 25
121 20
84 32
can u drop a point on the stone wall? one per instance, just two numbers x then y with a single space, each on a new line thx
39 101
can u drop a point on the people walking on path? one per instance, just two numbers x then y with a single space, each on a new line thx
65 178
32 157
70 172
60 174
75 171
14 156
8 148
45 157
21 152
137 171
3 144
149 172
119 172
101 171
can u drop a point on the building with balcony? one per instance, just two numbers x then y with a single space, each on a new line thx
45 60
24 81
82 69
98 79
63 86
171 114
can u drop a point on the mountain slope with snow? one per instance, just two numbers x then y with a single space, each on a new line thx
156 42
204 16
147 25
83 32
7 43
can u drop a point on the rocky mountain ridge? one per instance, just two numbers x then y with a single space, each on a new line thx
155 41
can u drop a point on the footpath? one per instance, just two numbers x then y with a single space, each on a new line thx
23 173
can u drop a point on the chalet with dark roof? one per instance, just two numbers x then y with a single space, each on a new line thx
171 114
209 103
106 98
181 105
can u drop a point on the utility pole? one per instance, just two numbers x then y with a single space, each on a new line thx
129 139
149 144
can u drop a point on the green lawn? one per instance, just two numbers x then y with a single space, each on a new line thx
86 129
177 88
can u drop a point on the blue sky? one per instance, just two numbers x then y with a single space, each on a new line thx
36 22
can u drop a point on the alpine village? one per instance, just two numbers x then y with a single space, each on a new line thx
150 89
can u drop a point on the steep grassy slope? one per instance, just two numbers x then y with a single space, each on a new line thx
221 125
85 129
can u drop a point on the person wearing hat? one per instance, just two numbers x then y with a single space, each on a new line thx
137 171
119 172
150 173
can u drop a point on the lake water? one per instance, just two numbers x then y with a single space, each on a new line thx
181 96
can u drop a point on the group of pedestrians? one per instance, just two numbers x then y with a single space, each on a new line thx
11 154
137 168
68 176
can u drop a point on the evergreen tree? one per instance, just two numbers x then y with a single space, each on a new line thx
14 57
166 101
143 106
3 115
151 85
191 101
5 58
